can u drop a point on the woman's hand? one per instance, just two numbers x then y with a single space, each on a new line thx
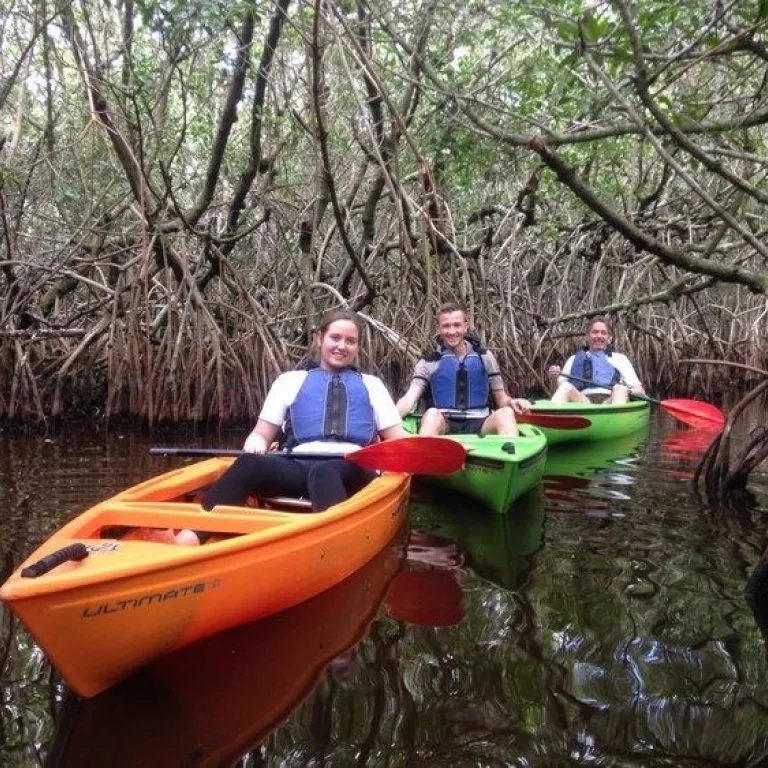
255 443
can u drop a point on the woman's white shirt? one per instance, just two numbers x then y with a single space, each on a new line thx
286 388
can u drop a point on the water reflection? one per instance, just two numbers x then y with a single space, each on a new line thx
601 620
590 479
683 448
427 591
211 702
497 547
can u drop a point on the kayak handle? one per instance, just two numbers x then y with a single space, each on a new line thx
76 551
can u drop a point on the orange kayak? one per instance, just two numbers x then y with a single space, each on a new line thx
210 703
132 599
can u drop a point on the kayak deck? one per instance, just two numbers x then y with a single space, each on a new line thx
499 469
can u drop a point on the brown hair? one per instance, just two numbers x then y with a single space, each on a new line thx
332 315
600 319
449 307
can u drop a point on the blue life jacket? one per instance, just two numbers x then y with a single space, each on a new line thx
460 384
331 406
594 367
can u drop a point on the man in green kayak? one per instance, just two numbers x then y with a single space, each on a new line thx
461 380
596 373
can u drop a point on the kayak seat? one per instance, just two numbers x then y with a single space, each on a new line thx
289 503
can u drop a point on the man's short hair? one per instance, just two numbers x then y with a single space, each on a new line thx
449 307
600 319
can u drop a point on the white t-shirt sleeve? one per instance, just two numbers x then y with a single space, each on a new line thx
384 409
624 367
281 396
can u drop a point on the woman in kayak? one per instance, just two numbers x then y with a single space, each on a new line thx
329 408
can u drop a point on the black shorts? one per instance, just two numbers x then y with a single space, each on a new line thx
464 426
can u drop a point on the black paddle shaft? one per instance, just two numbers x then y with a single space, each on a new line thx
170 451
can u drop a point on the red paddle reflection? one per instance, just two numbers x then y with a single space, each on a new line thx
685 447
426 592
687 443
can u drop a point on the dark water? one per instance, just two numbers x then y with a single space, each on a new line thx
600 622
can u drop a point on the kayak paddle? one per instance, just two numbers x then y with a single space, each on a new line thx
695 413
414 455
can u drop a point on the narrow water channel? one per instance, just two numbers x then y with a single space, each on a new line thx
600 621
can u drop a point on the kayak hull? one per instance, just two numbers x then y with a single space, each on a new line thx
498 469
590 422
130 601
211 702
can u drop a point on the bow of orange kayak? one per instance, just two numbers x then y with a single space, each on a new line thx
132 599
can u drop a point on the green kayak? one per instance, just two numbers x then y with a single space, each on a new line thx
498 469
583 422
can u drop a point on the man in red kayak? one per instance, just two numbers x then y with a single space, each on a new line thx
461 379
596 373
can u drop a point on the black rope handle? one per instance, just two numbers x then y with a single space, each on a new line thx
76 551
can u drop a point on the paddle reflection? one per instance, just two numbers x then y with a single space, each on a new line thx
427 592
213 701
682 450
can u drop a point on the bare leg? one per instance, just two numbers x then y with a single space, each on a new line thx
567 393
619 394
501 422
433 423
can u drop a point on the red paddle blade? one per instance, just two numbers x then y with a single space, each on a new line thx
553 420
695 413
415 455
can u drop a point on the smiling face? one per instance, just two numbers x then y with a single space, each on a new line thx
338 345
452 328
598 336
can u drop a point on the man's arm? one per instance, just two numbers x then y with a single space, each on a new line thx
558 374
517 404
408 401
629 377
499 395
422 373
